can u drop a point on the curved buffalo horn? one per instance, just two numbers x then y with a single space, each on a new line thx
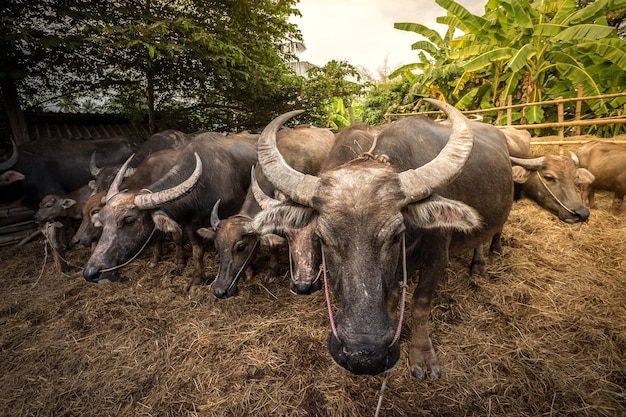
93 168
533 164
421 182
215 218
154 200
12 159
297 186
574 158
264 200
117 181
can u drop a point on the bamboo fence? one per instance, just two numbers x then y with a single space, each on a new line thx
561 124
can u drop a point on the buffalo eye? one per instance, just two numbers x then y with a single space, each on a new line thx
128 221
549 178
396 238
240 247
49 205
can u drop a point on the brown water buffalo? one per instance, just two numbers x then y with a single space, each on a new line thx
305 149
206 169
607 162
548 180
70 206
426 189
304 244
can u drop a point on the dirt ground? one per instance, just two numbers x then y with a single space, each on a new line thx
544 334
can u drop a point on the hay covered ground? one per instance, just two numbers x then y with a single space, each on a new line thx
543 335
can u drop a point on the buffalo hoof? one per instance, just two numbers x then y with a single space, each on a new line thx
419 374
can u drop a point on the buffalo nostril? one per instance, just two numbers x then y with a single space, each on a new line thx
220 294
300 288
91 274
583 214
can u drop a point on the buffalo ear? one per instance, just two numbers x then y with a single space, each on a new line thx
583 176
67 203
206 233
276 219
442 213
11 176
164 223
95 219
520 174
272 240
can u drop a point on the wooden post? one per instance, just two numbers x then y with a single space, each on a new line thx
559 107
509 110
579 105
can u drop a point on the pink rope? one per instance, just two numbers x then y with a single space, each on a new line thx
402 298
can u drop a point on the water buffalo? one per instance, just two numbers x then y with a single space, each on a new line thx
179 201
607 162
69 206
168 139
305 149
548 180
350 142
150 170
39 168
424 192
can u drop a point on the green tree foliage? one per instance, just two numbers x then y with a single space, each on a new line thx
530 50
202 63
324 86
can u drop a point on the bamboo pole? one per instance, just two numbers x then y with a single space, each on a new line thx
579 105
509 111
572 142
560 118
604 121
516 106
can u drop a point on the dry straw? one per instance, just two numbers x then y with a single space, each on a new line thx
543 335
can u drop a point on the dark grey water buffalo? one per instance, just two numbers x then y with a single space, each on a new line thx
607 162
58 167
433 189
548 180
305 149
207 169
168 139
153 167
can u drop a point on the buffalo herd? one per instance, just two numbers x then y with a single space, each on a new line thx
359 210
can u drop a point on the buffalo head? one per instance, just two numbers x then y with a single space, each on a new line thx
551 181
129 219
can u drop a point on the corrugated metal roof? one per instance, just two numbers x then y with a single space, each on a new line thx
82 126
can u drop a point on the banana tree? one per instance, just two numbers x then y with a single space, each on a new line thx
531 50
436 67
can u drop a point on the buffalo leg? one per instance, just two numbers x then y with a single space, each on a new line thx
197 250
422 357
478 265
55 233
591 196
618 199
180 252
157 250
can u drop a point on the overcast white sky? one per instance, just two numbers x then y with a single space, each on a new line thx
361 31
